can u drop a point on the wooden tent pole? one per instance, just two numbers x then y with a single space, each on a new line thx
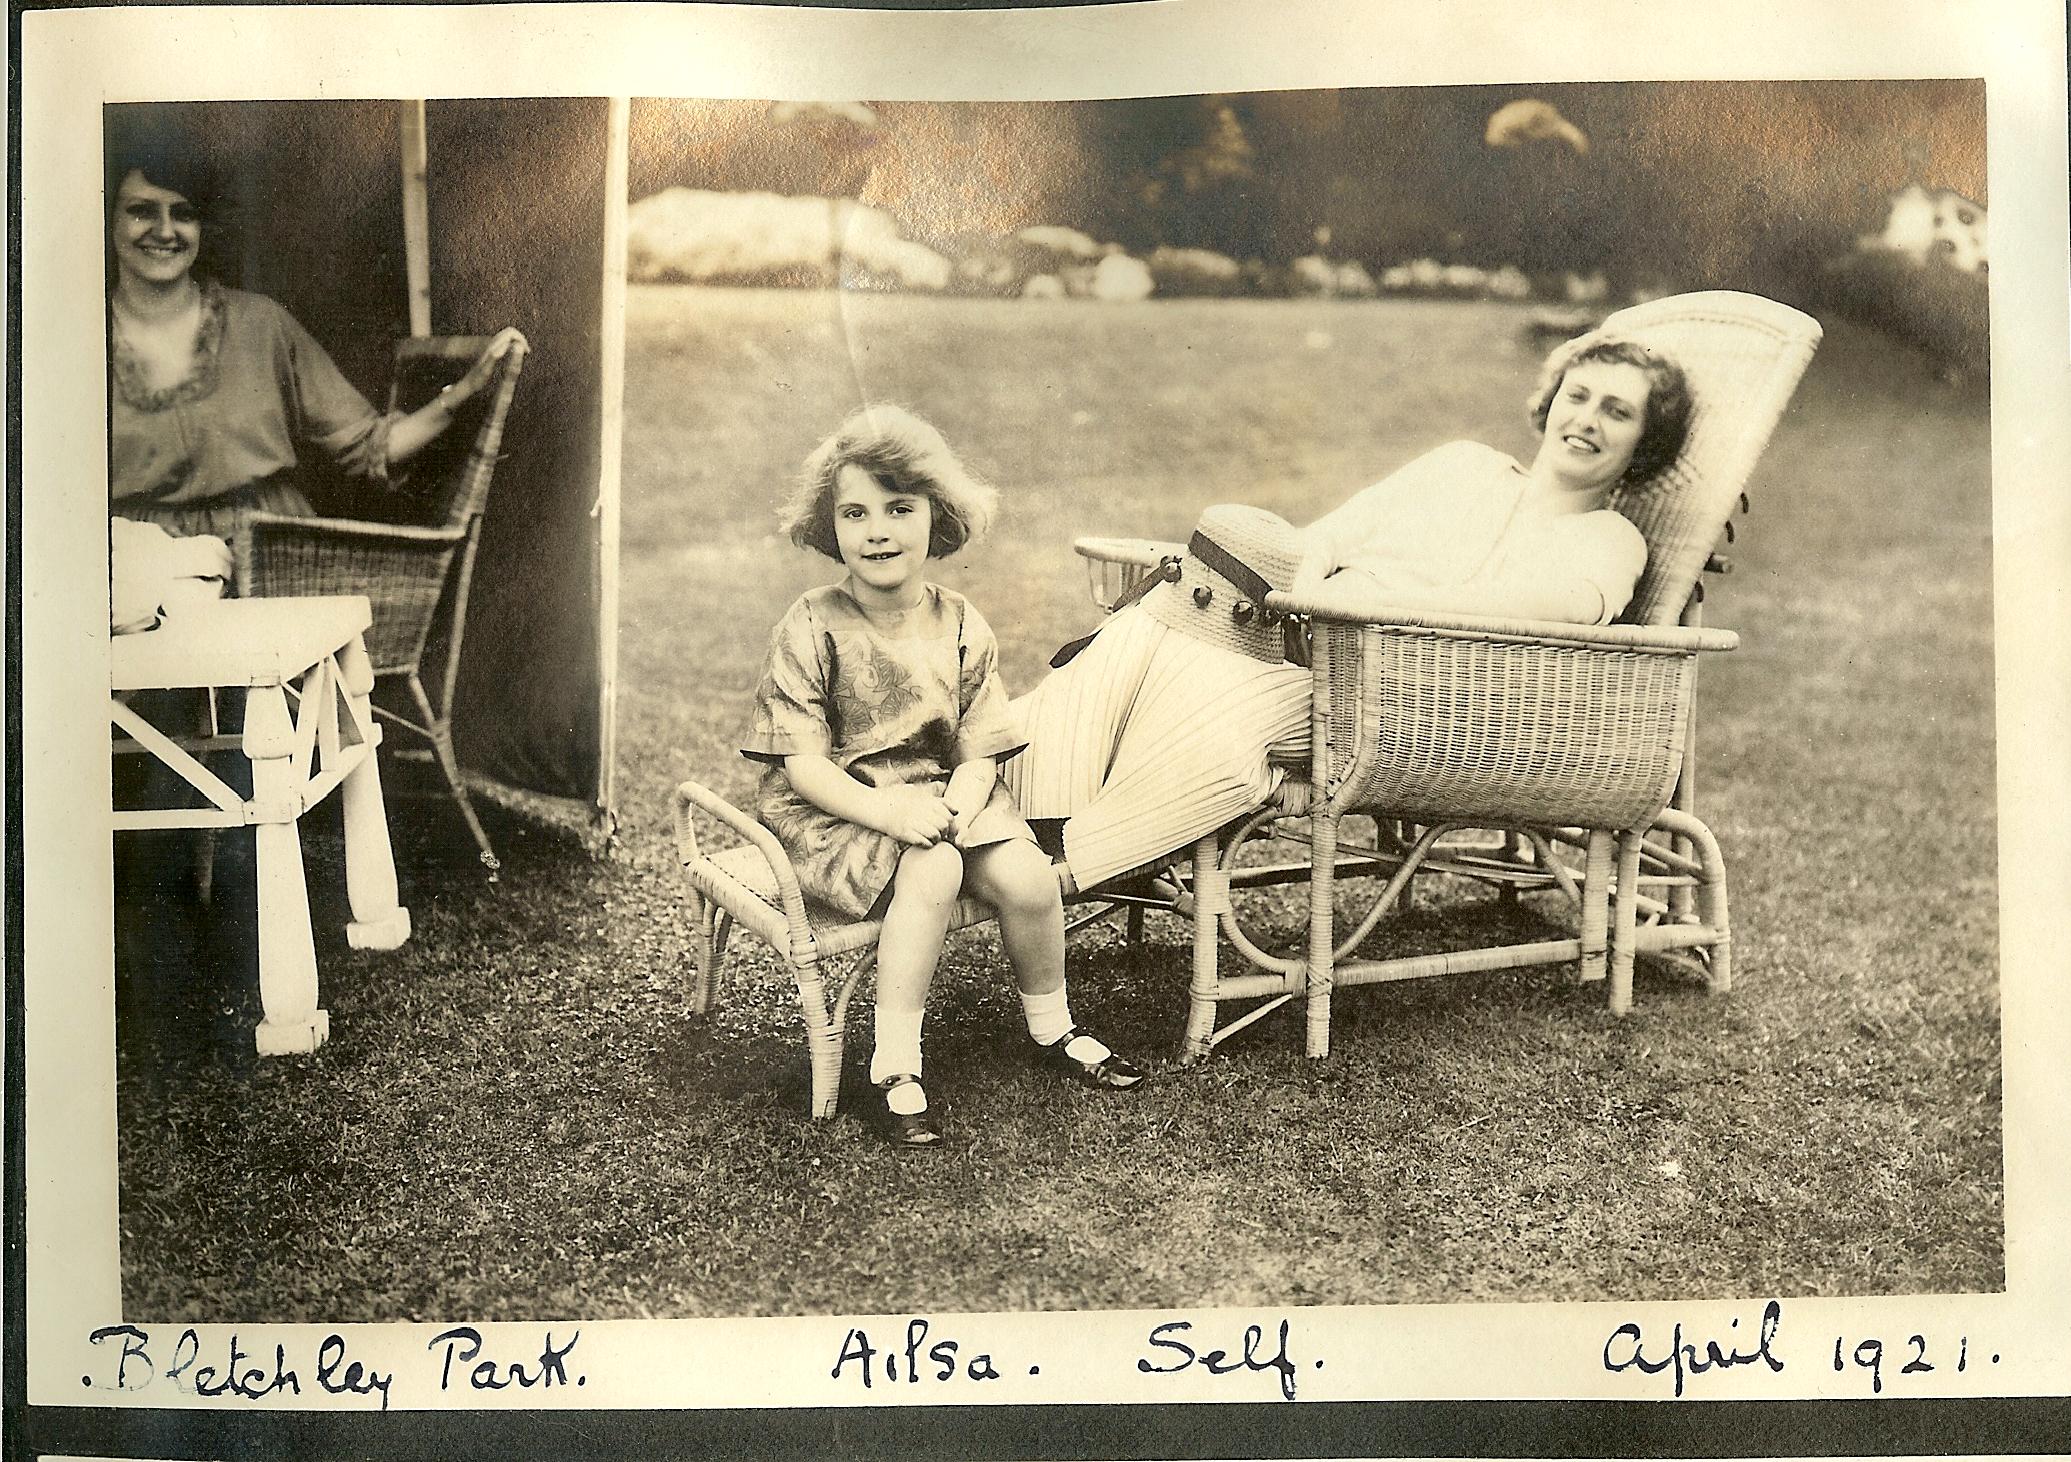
416 216
612 381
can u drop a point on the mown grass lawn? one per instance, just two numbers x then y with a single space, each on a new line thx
516 1118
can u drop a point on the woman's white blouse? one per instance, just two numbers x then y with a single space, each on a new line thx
1453 520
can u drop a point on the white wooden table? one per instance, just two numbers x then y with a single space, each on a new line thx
308 727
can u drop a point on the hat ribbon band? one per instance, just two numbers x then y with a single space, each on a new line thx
1219 560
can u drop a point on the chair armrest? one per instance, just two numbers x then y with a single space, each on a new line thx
1140 552
1338 606
695 795
463 349
280 554
268 525
1114 566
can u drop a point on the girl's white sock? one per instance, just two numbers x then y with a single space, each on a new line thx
1049 1017
898 1053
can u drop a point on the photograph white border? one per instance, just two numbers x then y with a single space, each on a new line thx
75 61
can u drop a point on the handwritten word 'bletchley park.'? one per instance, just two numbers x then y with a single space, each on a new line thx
455 1357
1629 1349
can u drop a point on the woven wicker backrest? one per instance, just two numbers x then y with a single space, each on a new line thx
452 474
1743 355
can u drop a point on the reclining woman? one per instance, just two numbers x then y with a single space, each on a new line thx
1160 731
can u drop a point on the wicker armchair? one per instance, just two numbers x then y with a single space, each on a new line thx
416 576
1564 738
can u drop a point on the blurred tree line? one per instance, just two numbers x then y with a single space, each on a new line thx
1685 184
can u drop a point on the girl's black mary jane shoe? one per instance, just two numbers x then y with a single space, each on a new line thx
1111 1072
913 1130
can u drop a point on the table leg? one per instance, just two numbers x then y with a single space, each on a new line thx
287 955
379 921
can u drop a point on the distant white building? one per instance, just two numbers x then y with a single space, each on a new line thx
1940 226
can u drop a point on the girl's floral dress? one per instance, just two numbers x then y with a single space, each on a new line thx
890 697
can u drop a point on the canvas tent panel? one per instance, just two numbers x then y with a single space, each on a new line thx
518 213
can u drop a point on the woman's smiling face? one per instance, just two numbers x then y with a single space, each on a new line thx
1594 422
156 232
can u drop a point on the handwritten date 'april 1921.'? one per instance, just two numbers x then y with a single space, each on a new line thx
1627 1350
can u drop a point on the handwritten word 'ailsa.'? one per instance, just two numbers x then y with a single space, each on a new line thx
235 1375
1626 1349
906 1363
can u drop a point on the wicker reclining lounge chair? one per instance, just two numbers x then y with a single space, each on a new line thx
1561 736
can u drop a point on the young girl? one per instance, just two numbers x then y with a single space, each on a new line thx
883 721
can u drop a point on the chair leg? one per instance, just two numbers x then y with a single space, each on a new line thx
1709 895
1323 857
205 838
704 973
441 737
1624 922
1211 894
1711 899
204 864
824 1038
1596 905
1132 932
1682 904
450 764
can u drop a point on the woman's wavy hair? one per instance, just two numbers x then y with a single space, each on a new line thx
1669 403
905 455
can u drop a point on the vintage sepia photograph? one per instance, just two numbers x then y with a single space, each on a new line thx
1189 728
617 813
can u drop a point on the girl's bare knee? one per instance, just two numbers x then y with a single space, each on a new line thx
1022 880
934 873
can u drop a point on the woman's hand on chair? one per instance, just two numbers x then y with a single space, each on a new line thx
478 375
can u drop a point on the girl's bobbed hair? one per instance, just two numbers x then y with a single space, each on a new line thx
1669 403
905 455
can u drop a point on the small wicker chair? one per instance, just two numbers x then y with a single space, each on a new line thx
755 886
1560 736
416 576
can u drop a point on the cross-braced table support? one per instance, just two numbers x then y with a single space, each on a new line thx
308 727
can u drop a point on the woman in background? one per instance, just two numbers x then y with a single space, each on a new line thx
215 397
216 392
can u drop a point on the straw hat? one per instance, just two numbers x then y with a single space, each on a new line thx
1234 556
